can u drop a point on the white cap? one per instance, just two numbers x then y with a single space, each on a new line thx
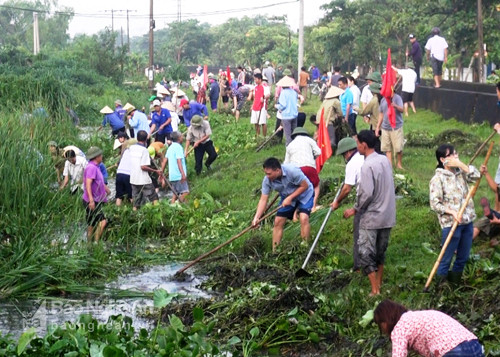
156 102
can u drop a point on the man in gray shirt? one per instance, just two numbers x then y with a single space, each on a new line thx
376 204
269 73
296 193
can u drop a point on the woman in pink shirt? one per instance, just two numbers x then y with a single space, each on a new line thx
431 333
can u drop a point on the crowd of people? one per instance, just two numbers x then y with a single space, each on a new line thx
148 143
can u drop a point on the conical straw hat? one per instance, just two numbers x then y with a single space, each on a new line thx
286 82
333 92
107 110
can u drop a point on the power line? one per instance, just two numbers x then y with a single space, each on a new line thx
159 16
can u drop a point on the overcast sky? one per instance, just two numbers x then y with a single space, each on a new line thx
94 15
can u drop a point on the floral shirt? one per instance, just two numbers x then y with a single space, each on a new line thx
448 190
431 333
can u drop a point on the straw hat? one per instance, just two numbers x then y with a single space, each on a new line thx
130 109
117 144
178 92
127 105
286 82
169 106
107 110
333 92
162 90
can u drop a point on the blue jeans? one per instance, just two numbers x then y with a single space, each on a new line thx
351 120
461 242
466 349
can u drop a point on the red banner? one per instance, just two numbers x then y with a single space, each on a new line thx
228 75
205 75
387 90
323 143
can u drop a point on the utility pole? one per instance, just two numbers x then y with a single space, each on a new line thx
112 19
121 34
179 16
128 33
480 40
151 45
301 35
36 38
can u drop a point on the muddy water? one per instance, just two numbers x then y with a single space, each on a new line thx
18 316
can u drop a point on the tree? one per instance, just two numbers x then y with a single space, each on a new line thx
16 24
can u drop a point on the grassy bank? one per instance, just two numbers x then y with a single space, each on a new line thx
259 307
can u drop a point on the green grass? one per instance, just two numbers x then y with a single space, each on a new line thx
252 280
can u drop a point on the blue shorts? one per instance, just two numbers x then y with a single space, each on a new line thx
213 104
288 211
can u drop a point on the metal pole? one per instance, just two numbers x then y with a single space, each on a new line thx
36 38
151 45
112 21
480 40
301 35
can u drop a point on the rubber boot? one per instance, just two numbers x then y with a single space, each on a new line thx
455 278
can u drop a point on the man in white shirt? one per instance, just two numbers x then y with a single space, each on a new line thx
73 169
437 49
140 161
409 79
354 160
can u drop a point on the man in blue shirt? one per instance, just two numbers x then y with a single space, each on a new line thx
160 120
177 172
119 110
113 119
296 193
346 103
287 107
315 74
137 121
192 109
214 92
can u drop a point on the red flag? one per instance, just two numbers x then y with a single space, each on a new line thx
228 75
205 75
323 143
387 90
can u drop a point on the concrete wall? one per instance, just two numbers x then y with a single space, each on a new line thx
466 102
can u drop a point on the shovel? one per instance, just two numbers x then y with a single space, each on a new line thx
203 256
302 272
268 139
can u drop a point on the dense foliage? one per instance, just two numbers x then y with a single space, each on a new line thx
352 33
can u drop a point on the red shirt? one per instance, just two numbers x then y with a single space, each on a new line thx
257 98
431 333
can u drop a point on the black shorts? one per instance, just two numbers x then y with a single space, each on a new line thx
95 216
407 97
117 131
123 187
240 104
161 137
225 99
437 66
